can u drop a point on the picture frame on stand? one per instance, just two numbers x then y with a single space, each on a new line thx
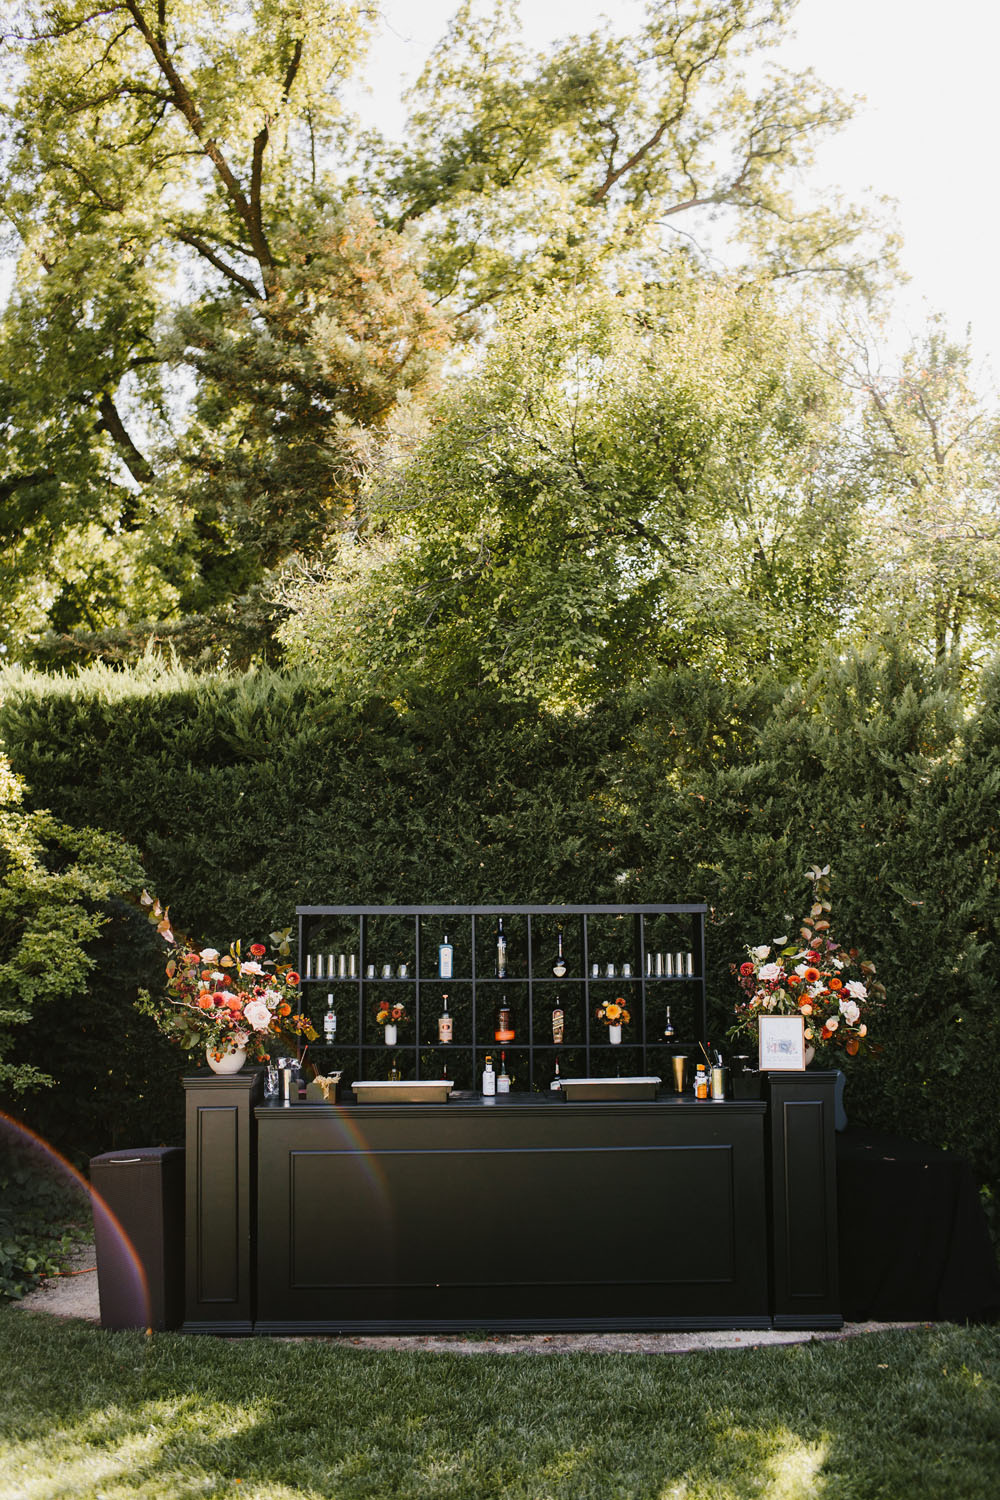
782 1042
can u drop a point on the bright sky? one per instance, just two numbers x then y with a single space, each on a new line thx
925 136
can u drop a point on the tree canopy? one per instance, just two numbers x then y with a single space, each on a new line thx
225 289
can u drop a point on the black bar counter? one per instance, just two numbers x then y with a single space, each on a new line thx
520 1213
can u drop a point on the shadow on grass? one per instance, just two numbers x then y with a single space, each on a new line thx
907 1414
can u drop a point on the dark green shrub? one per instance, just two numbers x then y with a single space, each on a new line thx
250 794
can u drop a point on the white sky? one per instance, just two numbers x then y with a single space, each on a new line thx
925 135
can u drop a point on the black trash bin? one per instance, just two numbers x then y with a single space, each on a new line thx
139 1233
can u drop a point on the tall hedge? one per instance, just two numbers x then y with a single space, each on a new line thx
250 794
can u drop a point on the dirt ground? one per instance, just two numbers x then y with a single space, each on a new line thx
74 1294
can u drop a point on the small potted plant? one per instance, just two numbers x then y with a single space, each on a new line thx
615 1015
389 1017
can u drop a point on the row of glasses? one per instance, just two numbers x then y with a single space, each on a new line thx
670 965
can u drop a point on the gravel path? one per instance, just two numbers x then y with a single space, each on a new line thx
74 1295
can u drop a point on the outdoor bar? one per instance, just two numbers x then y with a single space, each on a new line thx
405 1195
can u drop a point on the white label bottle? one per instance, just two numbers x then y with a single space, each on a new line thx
330 1022
444 1022
489 1079
503 1081
446 957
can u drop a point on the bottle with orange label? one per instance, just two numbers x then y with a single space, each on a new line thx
504 1030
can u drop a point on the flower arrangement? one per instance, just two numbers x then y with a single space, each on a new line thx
390 1015
613 1012
219 1003
817 977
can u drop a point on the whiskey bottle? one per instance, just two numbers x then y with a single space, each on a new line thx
556 1083
503 1081
504 1029
501 963
559 962
489 1078
558 1024
444 1022
668 1031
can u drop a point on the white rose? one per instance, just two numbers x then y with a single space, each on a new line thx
856 988
770 971
209 955
760 953
251 967
850 1012
257 1014
831 1023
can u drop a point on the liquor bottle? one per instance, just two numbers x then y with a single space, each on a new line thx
668 1031
701 1082
444 1073
504 1029
556 1083
444 1022
503 1081
558 1024
489 1078
446 955
395 1076
501 964
330 1022
559 962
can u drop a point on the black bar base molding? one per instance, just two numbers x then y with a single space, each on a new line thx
523 1214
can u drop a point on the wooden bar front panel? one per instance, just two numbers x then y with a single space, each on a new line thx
529 1215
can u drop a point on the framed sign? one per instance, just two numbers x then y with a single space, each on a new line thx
782 1043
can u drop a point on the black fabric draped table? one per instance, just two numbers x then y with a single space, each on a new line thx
914 1243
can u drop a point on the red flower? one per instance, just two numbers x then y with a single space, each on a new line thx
812 957
291 977
258 950
746 968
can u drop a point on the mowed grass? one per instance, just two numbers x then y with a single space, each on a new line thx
897 1415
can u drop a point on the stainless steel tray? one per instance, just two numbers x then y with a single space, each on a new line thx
610 1088
404 1091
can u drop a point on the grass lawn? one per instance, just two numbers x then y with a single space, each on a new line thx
901 1416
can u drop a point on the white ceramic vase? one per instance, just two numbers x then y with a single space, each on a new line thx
225 1059
390 1034
615 1035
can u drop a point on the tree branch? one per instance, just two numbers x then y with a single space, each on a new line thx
188 237
188 108
111 423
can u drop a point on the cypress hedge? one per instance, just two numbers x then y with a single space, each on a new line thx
249 794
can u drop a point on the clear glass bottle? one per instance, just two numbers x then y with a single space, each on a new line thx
446 959
330 1022
559 962
701 1082
556 1083
501 954
489 1078
444 1022
503 1079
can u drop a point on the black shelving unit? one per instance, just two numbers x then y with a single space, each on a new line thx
377 936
